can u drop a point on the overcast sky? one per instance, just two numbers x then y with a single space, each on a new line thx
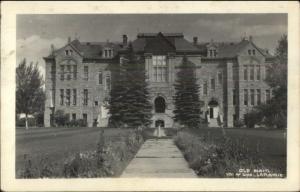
35 33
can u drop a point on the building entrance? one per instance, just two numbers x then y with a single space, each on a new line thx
160 123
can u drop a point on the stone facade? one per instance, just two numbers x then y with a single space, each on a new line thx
230 76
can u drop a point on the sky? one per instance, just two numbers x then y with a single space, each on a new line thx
36 33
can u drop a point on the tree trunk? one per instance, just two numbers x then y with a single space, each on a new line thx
26 121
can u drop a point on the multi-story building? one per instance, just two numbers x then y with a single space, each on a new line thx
230 76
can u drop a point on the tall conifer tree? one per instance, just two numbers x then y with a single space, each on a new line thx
186 99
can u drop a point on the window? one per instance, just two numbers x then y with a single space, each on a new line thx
67 52
212 84
74 96
85 97
252 96
245 72
68 72
234 97
74 71
86 73
84 117
245 97
108 53
249 52
268 72
96 103
268 96
220 78
107 82
215 53
61 97
258 96
68 97
258 72
253 52
71 52
73 116
210 53
62 72
205 88
252 72
100 78
52 72
159 68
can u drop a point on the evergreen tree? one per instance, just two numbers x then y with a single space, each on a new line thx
187 103
129 102
118 104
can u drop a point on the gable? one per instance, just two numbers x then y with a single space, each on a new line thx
159 45
250 50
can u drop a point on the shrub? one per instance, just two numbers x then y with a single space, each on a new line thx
60 118
215 160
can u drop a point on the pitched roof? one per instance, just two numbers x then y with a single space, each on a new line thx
91 50
175 40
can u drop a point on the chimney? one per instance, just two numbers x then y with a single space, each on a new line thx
124 40
69 39
195 40
52 48
250 38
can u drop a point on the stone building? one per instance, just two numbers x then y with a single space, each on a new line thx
230 76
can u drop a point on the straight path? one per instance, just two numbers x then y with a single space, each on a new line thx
159 158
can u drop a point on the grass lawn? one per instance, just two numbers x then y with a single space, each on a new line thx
58 143
271 144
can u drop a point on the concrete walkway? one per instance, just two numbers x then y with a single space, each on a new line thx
159 158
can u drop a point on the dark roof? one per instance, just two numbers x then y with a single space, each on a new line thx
228 49
159 40
91 50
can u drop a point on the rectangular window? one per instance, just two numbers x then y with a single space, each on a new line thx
234 97
258 72
159 68
258 96
68 72
84 117
109 53
100 78
85 97
215 53
268 96
68 97
96 103
249 52
268 72
252 72
245 97
220 78
212 84
253 52
245 72
62 72
205 88
61 97
86 73
107 82
210 53
74 96
52 72
75 72
252 96
73 116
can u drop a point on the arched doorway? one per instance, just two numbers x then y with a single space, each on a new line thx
213 109
160 105
160 123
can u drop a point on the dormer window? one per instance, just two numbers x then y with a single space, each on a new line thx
69 52
251 52
212 53
108 53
